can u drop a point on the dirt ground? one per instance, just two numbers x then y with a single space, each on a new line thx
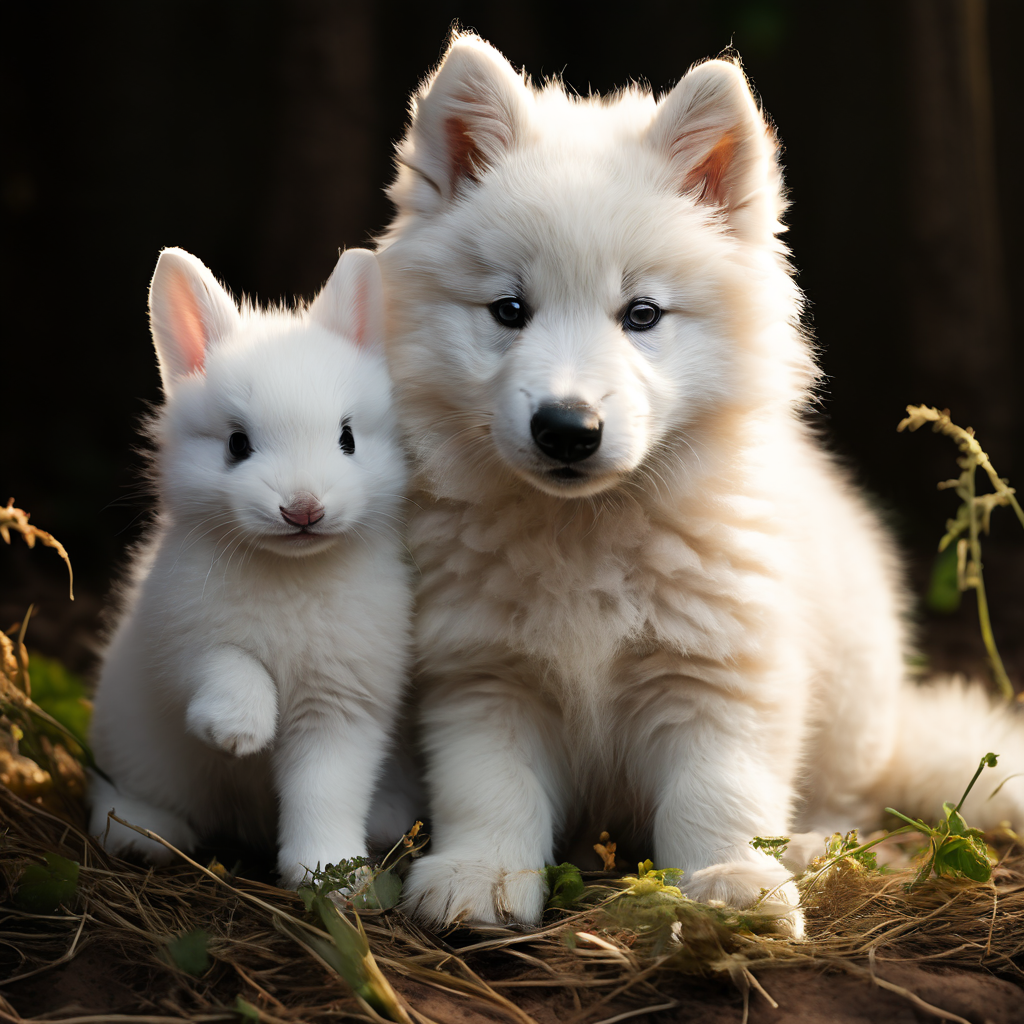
98 983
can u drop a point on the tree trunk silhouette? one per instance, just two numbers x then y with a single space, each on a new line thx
960 344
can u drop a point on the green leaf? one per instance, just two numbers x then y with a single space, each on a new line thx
42 888
774 845
943 594
565 885
349 954
382 893
957 825
964 856
189 952
61 694
246 1010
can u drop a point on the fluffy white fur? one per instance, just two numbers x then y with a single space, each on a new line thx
253 682
696 637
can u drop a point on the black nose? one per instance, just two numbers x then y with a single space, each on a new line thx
567 432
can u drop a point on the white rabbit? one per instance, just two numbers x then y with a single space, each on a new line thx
257 673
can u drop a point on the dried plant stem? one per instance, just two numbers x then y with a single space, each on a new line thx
973 516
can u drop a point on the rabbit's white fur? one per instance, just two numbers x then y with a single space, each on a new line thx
694 635
253 682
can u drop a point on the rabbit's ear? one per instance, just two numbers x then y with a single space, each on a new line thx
352 302
188 311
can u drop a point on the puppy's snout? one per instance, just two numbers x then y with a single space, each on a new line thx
567 431
304 509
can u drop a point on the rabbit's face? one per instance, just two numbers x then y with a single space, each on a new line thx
287 441
277 431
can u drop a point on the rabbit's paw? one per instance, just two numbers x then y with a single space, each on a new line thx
236 727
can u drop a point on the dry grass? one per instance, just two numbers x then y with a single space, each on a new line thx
264 965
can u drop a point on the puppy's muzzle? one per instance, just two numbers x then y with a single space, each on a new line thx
567 431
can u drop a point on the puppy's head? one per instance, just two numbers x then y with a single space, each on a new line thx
578 286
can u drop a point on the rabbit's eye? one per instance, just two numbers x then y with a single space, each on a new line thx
239 447
348 441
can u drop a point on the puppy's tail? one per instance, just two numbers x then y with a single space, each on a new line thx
945 727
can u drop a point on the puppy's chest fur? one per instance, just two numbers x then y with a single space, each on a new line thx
595 597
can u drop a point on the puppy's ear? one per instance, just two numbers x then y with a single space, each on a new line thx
352 302
719 148
188 311
464 117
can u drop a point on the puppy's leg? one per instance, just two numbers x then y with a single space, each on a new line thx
494 796
718 783
326 765
235 704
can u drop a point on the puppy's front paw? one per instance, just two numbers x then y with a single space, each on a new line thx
763 885
442 891
236 727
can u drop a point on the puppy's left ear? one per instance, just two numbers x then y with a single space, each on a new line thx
352 302
719 148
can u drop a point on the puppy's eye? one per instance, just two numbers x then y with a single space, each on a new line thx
239 447
347 441
641 314
510 312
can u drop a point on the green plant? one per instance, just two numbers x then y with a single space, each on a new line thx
954 848
42 888
774 845
973 517
565 886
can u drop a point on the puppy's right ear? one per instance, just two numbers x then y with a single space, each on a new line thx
470 112
188 310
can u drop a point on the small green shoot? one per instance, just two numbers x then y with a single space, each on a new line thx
189 952
565 886
955 849
363 887
346 877
774 846
848 847
42 888
649 881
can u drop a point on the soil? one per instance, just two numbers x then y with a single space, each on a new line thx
98 982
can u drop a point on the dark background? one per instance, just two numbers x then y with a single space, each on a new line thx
258 136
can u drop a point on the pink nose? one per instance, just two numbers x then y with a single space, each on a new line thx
303 510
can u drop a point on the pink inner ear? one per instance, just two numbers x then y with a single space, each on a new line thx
186 325
709 174
359 320
462 151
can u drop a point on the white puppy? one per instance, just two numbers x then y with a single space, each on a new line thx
649 602
253 682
